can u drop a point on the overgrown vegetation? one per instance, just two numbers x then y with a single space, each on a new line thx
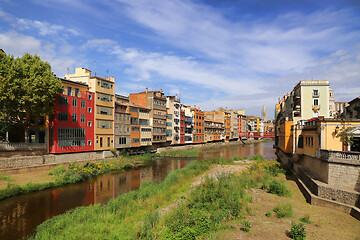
76 172
185 153
208 208
279 188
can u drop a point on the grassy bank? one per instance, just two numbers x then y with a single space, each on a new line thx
185 153
198 213
73 173
258 202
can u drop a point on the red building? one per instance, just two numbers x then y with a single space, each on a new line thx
182 126
71 129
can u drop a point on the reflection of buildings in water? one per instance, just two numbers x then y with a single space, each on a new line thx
122 183
14 219
135 179
104 189
146 174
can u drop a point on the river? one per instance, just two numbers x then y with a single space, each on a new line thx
20 215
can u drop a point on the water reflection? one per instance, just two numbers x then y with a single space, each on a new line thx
20 215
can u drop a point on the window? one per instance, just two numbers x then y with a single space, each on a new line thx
62 117
134 121
315 92
122 140
133 109
146 139
77 92
82 118
135 129
104 110
105 84
101 142
104 124
89 96
74 117
83 104
108 141
71 137
146 129
89 142
104 97
89 109
63 100
89 124
316 102
74 102
69 91
135 140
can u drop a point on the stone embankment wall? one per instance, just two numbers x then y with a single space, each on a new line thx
36 161
190 146
333 178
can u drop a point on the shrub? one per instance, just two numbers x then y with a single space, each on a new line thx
246 226
279 188
6 178
268 214
283 210
297 231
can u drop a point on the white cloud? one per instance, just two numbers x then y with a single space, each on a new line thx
43 28
18 44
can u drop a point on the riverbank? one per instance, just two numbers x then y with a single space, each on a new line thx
187 205
29 181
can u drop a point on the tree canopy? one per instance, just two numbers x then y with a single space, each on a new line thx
27 89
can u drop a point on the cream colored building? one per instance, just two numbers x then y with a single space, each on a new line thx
104 89
310 99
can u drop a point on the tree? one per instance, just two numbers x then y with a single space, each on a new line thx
346 136
27 90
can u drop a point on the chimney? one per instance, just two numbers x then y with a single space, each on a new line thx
160 89
146 89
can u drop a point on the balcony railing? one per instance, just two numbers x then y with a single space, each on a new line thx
21 146
339 155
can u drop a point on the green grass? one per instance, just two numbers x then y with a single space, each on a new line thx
5 178
198 214
284 210
185 153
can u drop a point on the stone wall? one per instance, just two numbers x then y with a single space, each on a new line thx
34 161
344 176
315 165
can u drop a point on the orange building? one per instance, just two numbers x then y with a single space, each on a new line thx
156 102
199 125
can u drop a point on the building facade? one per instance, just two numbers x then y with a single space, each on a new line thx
156 102
104 89
122 122
71 128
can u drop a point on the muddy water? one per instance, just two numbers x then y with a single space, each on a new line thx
19 215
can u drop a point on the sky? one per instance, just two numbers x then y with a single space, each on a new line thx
236 54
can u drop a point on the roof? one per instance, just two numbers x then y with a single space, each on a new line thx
355 100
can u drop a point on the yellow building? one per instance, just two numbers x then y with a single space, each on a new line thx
322 133
104 89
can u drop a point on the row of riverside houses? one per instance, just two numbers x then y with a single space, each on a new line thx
309 119
319 140
89 116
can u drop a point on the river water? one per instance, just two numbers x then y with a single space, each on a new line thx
19 215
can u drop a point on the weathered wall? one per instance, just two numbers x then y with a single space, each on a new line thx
315 165
32 161
344 176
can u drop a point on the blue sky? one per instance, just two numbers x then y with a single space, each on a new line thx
235 54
